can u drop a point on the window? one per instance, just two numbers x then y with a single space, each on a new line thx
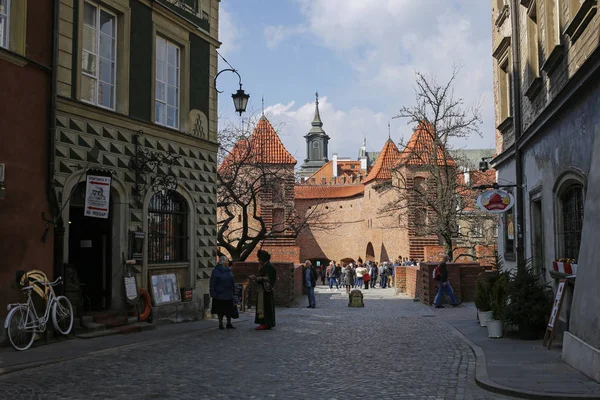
552 45
4 21
420 220
532 72
278 218
572 220
505 88
99 56
477 229
580 15
167 228
167 83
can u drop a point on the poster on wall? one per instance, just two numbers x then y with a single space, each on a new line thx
97 196
165 289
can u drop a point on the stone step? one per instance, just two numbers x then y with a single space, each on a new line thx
97 334
93 326
133 328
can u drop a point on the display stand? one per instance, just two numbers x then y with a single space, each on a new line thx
558 300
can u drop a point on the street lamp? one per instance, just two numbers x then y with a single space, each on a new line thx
240 98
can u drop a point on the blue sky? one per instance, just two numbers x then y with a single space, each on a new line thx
360 56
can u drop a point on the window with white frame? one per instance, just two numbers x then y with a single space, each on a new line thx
167 83
99 56
477 229
4 21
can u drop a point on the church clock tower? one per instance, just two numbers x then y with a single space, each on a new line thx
317 143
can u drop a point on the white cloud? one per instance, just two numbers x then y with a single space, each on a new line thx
274 35
345 128
386 41
228 31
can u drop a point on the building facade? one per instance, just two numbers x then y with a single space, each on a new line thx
547 94
136 103
26 61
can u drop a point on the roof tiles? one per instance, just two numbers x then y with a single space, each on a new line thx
420 149
327 192
386 161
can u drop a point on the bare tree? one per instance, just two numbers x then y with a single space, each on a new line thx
428 181
254 194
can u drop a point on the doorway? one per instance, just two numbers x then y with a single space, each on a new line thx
537 236
90 252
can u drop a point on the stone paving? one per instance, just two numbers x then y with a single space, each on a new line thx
393 348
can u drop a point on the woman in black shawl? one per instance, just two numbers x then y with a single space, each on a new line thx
265 301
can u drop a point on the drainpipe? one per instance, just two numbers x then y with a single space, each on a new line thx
516 56
59 229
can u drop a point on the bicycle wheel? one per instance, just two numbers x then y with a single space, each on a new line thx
19 328
62 315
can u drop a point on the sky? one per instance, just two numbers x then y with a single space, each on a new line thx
361 56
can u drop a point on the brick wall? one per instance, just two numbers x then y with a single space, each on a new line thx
400 279
279 253
289 280
468 277
411 281
435 253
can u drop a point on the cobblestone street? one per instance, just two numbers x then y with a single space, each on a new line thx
393 348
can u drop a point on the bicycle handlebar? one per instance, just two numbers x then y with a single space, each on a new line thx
56 282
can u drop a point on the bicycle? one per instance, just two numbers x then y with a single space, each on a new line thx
23 323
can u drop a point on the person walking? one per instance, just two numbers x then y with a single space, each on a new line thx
348 278
221 288
310 281
383 275
444 286
322 272
331 275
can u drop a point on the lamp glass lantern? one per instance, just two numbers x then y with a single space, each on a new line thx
240 100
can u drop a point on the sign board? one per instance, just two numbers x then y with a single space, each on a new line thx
136 246
131 290
560 291
495 201
238 293
165 289
97 196
356 299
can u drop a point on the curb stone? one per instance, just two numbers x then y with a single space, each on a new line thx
56 360
483 380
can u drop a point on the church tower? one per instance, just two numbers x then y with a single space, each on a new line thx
317 143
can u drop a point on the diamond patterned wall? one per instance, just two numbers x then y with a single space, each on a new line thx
195 170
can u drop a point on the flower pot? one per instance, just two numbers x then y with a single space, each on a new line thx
484 317
495 328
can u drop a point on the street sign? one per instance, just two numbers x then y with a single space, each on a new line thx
495 201
97 196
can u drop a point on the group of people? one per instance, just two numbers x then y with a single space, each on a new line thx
360 275
222 287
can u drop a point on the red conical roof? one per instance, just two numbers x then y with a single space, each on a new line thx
386 161
420 148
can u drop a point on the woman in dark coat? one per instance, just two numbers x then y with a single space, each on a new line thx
221 290
265 301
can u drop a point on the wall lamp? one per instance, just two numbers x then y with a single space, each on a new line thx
484 164
240 98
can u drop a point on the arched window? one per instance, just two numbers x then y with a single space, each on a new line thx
167 228
571 207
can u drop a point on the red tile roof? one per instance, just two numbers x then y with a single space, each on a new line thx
345 168
386 161
419 149
305 192
262 147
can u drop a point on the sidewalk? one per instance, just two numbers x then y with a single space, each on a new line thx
518 367
73 348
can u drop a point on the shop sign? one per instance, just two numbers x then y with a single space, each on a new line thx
495 201
97 196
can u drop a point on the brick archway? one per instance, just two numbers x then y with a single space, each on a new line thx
370 253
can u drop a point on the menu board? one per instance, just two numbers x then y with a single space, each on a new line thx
165 289
130 288
238 293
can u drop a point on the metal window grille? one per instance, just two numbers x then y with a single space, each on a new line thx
167 229
572 213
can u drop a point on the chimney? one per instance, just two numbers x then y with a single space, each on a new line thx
335 168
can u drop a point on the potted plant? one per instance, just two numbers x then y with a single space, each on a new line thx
498 296
482 300
529 303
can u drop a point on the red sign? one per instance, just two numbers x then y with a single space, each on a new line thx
495 201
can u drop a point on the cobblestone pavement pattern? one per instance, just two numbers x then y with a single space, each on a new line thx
392 348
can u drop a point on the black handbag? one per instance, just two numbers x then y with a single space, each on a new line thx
235 314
